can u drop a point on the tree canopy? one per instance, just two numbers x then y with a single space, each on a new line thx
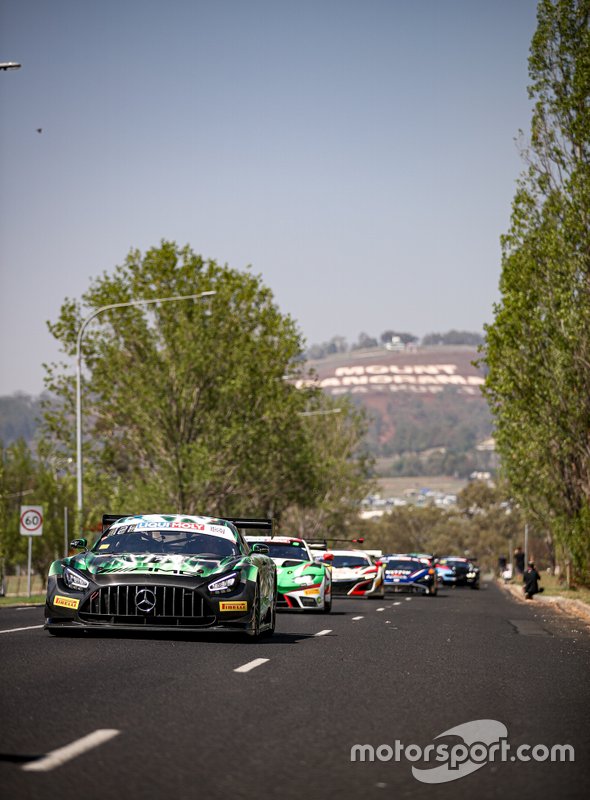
190 406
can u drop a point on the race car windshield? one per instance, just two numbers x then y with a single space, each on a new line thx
293 552
202 545
350 561
411 565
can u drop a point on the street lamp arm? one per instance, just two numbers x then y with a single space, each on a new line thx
81 331
128 303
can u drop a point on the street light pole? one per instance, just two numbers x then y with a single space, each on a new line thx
83 326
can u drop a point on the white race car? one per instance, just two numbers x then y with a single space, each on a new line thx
355 574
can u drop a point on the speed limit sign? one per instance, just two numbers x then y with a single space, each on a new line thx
31 520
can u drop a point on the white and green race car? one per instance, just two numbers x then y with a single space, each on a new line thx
302 583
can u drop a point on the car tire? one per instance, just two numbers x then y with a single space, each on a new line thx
273 616
327 606
254 631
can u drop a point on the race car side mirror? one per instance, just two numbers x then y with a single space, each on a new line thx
260 548
79 544
328 557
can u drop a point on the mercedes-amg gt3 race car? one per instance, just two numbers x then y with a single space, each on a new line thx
405 573
354 574
302 582
164 572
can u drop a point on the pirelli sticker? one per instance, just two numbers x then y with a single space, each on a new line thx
66 602
311 591
236 605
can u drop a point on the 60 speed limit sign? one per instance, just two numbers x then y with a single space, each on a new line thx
31 520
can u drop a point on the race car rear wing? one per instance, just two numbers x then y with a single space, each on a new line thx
317 544
251 523
109 519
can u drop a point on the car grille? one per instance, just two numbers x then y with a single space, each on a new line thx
173 606
344 587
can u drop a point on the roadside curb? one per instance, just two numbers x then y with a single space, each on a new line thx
576 608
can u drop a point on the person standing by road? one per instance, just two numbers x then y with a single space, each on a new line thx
531 581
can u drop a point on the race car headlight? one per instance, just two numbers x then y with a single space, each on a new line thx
224 584
471 574
73 580
303 580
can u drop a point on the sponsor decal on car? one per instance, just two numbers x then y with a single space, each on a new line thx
311 591
66 602
235 605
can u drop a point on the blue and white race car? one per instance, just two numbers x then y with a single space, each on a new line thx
405 573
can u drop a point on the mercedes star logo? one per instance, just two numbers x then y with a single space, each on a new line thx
145 600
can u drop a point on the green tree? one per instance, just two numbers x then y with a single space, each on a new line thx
537 350
33 479
187 405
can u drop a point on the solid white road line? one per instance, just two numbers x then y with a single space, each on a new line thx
14 630
252 665
323 633
354 619
58 757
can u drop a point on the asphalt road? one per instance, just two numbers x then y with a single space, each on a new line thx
189 725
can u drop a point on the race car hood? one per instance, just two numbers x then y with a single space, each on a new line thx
151 564
288 570
350 573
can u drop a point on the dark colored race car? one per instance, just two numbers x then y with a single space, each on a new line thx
165 572
410 574
457 571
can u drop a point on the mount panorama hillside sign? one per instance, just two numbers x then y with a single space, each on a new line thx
418 371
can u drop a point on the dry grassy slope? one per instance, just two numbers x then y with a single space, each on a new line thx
390 384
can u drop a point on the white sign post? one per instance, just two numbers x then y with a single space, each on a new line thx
31 524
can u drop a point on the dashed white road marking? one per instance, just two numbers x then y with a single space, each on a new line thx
58 757
323 633
251 665
380 609
354 619
398 603
408 599
14 630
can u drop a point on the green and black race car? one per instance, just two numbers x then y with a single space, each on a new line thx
165 572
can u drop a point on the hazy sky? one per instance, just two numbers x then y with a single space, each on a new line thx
359 154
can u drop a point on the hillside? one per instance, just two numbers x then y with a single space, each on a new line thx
427 413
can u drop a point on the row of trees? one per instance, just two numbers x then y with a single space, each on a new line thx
537 350
485 525
189 407
339 344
